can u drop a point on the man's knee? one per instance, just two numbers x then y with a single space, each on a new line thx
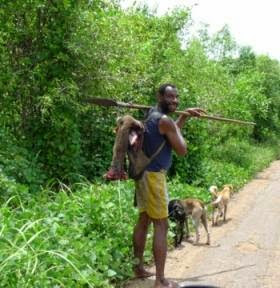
161 224
144 220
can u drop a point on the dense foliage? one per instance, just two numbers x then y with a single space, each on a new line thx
53 55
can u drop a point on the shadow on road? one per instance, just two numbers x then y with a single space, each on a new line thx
200 277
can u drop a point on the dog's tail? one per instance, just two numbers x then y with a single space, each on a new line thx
213 190
218 200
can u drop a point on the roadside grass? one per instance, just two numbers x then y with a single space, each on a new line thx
78 238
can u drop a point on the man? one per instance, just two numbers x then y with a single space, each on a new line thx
151 190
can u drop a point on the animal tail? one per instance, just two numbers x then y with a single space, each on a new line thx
218 200
213 189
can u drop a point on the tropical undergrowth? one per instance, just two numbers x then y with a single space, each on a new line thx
82 236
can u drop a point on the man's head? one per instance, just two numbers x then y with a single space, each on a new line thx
167 98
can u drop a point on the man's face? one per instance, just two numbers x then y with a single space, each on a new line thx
169 101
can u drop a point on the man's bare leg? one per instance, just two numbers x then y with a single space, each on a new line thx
139 242
160 250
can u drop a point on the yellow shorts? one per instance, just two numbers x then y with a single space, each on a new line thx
151 194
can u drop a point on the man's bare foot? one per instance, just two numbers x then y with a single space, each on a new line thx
142 273
164 283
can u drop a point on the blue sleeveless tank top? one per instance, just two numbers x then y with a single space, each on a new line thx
152 141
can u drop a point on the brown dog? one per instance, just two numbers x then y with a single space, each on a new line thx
220 202
196 209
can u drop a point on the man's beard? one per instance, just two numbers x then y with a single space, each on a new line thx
165 107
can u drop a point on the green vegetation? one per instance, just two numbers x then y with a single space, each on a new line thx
61 225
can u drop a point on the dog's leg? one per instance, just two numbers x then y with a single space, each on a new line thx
177 228
181 231
187 228
213 216
225 212
204 222
217 216
220 212
196 225
196 215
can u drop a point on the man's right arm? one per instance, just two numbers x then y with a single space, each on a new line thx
173 134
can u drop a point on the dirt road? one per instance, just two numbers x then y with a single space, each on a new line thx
245 251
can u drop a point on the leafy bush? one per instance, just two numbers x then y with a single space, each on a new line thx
77 239
236 164
17 163
234 151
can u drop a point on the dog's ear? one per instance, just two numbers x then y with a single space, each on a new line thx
175 210
179 209
230 186
171 206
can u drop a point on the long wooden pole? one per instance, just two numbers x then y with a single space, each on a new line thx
110 102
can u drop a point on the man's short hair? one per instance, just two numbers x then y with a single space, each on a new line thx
162 88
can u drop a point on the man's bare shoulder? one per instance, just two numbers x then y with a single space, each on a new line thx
166 124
